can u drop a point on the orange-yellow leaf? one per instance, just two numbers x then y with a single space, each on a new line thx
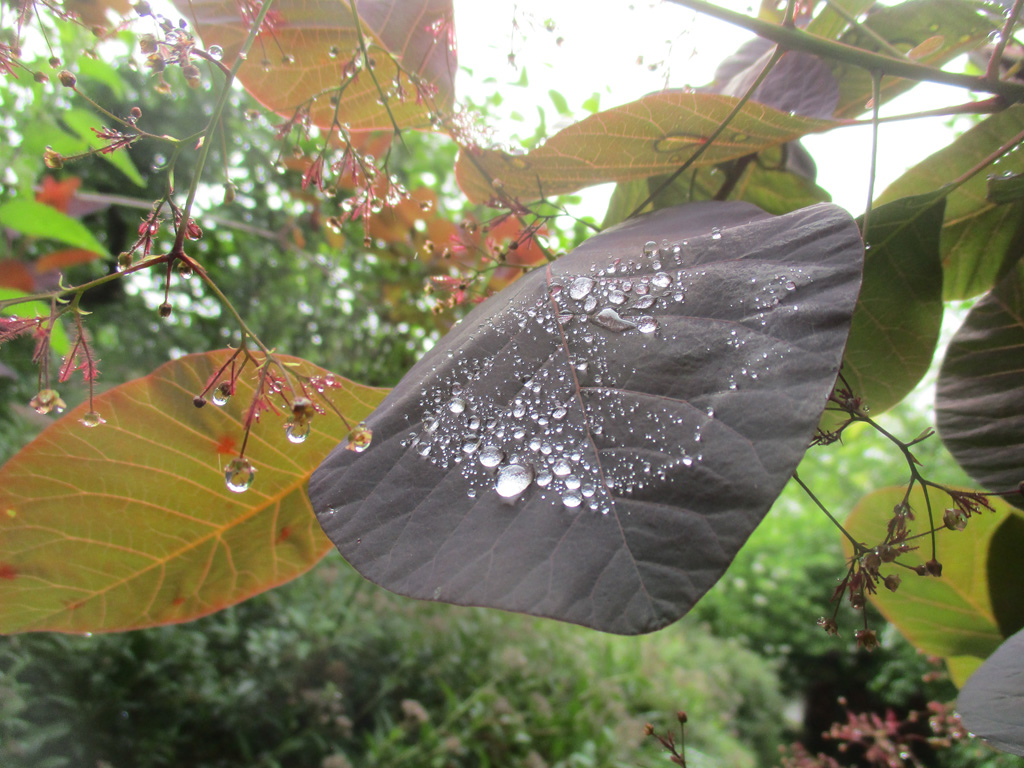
305 50
653 135
130 524
64 258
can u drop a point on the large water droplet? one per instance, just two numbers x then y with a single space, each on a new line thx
561 468
513 479
647 324
616 297
610 319
572 499
543 478
650 247
491 456
456 405
221 394
92 419
580 288
661 280
239 474
359 439
297 433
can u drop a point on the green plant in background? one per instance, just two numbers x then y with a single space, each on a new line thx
360 216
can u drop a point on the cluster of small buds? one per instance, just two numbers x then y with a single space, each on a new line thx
176 47
676 753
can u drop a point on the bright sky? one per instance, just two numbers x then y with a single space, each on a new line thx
600 47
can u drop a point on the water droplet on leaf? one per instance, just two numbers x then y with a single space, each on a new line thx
491 456
513 479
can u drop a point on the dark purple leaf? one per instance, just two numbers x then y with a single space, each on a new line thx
799 83
596 442
980 397
991 703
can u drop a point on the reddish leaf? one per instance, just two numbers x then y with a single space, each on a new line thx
14 274
652 135
302 52
58 194
130 524
64 258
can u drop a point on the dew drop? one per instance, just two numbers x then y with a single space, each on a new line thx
456 405
239 474
216 52
790 285
590 304
221 394
297 433
92 419
580 288
572 499
661 280
647 324
572 482
543 478
359 439
650 247
616 297
491 456
716 233
470 446
561 468
423 449
610 319
513 479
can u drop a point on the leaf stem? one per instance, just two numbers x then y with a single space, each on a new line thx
992 71
857 546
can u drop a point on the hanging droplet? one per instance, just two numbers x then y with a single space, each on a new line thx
239 474
222 393
297 433
491 456
216 52
47 400
513 479
359 438
92 419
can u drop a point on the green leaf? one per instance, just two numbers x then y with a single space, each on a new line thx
830 24
962 25
129 524
651 136
951 615
899 312
38 220
1007 187
980 238
82 122
59 342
